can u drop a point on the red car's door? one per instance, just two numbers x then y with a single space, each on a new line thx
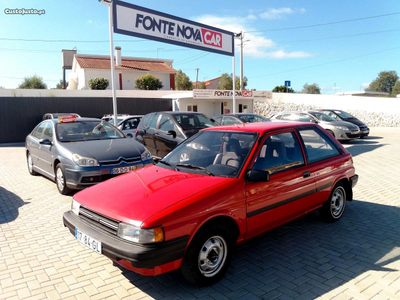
290 192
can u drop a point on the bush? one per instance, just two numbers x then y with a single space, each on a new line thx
148 82
98 83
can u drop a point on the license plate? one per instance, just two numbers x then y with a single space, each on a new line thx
123 170
88 241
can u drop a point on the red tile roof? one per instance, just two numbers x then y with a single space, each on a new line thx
104 63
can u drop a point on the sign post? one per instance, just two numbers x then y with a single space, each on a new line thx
287 84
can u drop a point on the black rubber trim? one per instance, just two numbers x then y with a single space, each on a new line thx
140 256
287 201
354 180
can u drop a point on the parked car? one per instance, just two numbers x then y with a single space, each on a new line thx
227 119
126 123
340 115
79 152
341 130
56 115
244 180
160 132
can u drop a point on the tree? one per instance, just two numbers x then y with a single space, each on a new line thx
225 82
60 85
282 89
148 82
202 86
33 82
311 89
98 83
384 82
182 82
396 88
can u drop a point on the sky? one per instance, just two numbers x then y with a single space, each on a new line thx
340 45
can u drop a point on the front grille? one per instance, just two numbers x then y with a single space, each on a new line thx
350 135
119 160
98 221
97 179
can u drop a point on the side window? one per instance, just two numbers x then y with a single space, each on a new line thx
218 120
166 123
152 122
290 117
305 118
332 115
318 145
48 132
39 130
279 152
145 120
131 123
230 120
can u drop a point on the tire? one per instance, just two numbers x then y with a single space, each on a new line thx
334 207
60 181
208 256
29 161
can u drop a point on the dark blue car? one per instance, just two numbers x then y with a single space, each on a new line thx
79 152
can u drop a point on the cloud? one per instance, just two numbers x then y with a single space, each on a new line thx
255 45
280 13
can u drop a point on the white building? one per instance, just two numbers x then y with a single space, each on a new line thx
127 70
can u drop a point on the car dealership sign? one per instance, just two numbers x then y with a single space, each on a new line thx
221 94
145 23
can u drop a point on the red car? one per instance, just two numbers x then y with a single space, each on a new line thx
241 181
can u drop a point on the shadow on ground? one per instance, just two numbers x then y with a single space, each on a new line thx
360 146
9 205
304 259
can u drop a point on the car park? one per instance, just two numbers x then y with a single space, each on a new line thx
341 115
238 118
341 130
56 115
79 152
126 123
244 180
160 132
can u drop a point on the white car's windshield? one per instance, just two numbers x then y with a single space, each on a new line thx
217 153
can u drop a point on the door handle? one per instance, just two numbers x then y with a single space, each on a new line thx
306 174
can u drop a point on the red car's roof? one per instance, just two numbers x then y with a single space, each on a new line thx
260 127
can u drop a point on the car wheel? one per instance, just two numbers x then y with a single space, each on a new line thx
334 207
184 156
60 181
208 255
331 132
30 165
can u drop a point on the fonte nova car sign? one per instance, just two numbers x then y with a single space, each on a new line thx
145 23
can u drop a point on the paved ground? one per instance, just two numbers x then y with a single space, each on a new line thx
355 258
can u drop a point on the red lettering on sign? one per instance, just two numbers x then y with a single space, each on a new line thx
247 93
212 38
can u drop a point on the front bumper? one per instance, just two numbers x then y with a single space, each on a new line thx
81 177
140 256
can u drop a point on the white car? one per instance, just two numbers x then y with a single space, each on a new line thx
126 123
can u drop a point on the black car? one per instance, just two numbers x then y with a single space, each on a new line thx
227 119
341 115
161 132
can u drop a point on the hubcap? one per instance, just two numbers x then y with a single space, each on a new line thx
338 202
212 256
60 179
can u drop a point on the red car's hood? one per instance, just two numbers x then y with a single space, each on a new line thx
141 194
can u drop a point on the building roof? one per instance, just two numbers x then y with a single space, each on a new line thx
127 63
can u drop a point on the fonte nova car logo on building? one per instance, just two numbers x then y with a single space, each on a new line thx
180 31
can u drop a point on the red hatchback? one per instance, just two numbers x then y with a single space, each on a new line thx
240 181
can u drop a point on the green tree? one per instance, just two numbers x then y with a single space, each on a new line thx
182 82
98 83
225 82
384 82
148 82
396 88
60 85
33 82
202 86
282 89
311 89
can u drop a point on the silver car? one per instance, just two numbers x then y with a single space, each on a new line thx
341 130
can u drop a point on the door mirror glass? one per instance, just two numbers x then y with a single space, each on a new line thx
45 142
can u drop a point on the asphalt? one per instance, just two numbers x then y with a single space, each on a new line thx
355 258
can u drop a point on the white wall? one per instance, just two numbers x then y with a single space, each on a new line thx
368 104
212 107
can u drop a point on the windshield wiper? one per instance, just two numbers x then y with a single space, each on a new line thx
164 162
190 166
